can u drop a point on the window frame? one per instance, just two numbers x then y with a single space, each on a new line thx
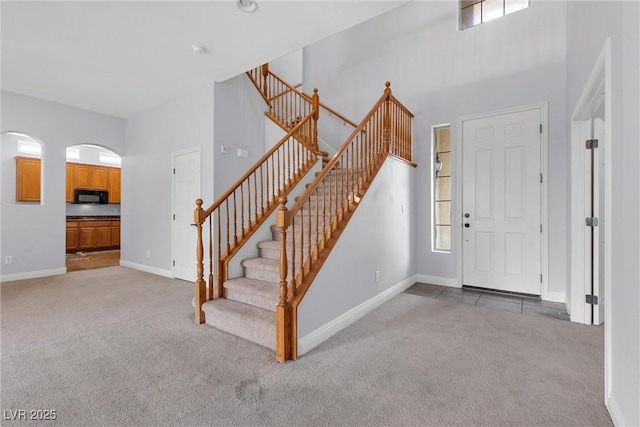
433 179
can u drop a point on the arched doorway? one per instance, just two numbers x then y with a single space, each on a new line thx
93 191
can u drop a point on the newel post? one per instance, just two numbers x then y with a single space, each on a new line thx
283 318
265 74
315 103
387 117
200 288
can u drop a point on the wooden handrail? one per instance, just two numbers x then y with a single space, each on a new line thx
330 201
338 115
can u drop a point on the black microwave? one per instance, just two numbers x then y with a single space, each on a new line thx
97 197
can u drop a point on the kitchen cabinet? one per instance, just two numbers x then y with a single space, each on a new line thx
69 185
72 236
91 235
114 185
92 177
27 179
83 175
99 178
115 233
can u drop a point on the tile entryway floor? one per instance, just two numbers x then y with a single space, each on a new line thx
495 300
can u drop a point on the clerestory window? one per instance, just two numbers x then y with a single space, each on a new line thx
475 12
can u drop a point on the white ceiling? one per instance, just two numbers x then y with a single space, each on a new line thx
122 57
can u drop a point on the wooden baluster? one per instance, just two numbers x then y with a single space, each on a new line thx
219 282
200 291
279 186
287 157
262 188
228 228
210 296
292 285
283 320
235 220
265 75
241 210
316 116
255 187
387 119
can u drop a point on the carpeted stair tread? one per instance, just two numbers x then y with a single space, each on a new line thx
259 293
248 322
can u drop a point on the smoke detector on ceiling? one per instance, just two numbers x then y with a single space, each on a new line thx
247 5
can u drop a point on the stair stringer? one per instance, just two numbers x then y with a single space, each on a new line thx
380 236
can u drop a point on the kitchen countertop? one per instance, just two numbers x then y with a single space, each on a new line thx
93 217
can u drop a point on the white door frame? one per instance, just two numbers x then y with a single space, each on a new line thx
599 82
544 214
175 154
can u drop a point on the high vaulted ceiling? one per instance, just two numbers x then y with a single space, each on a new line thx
122 57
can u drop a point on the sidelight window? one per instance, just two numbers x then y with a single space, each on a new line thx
441 192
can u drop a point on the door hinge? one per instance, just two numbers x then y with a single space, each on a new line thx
541 278
591 144
591 299
540 127
591 221
541 228
174 217
174 171
174 262
540 178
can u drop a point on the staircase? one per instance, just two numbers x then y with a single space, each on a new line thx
261 306
249 304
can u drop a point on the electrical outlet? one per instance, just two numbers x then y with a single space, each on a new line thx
8 259
377 275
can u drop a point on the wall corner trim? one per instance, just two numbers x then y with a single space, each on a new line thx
440 281
315 338
33 274
147 269
614 412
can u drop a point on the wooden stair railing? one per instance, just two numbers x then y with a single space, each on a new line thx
286 102
331 200
240 211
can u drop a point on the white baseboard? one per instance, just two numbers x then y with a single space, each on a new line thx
326 331
33 274
614 412
440 281
147 269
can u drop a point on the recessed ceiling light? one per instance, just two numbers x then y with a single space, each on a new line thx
247 5
198 49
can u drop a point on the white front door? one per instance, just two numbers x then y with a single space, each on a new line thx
501 190
186 189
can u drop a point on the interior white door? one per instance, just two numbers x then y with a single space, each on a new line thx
501 190
186 189
599 231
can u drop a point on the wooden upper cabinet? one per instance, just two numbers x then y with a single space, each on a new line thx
99 178
70 184
83 176
93 177
114 185
27 179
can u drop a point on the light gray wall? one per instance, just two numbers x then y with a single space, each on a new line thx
34 235
152 136
239 124
589 24
442 74
347 279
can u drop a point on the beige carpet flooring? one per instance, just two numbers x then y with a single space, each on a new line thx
118 347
